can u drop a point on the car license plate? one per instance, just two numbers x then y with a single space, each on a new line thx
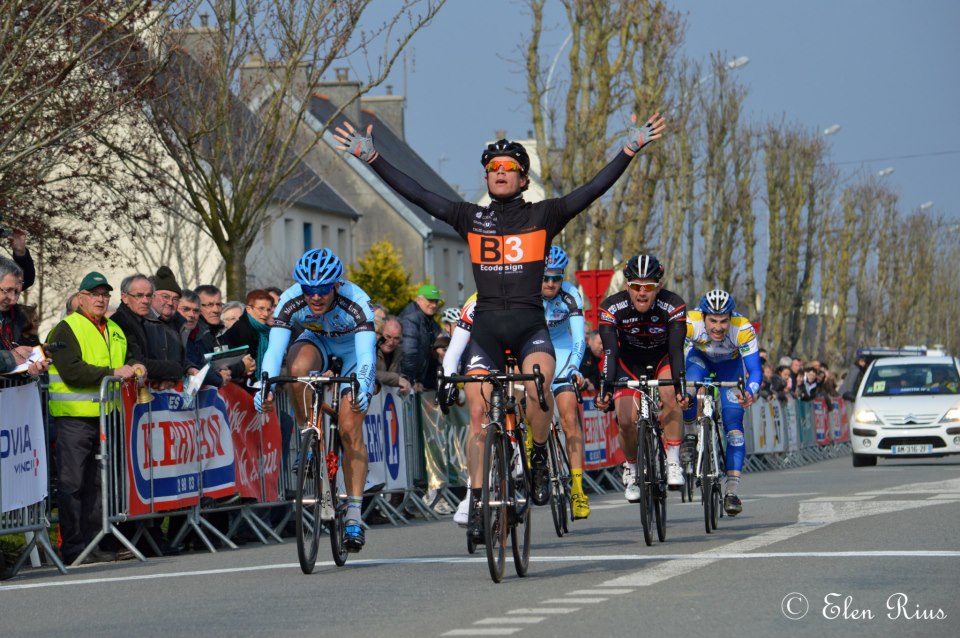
912 449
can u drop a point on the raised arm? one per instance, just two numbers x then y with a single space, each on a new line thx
640 136
361 146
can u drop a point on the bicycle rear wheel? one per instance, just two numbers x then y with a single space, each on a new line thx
659 487
494 501
707 474
557 510
566 480
338 523
521 508
644 475
308 501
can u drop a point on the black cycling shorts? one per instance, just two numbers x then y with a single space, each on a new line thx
637 367
522 332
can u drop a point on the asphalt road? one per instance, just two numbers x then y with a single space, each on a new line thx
821 550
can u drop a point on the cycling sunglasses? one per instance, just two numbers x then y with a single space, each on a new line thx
553 277
639 287
314 291
508 165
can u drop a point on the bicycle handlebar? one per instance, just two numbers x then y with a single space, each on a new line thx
266 381
497 378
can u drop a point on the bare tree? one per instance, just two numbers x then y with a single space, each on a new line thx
229 156
792 159
618 63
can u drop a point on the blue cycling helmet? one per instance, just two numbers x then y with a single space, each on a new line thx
318 267
556 259
717 302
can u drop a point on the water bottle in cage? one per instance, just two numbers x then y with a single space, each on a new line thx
515 460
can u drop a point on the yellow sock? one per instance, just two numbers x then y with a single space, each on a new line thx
577 476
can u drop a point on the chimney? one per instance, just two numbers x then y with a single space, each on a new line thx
200 43
256 72
388 108
500 134
341 91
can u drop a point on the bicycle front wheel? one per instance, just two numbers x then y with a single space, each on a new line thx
556 486
659 487
494 501
644 476
308 501
522 513
338 522
707 474
566 480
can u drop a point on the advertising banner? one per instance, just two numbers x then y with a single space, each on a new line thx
23 449
601 443
167 453
383 431
821 420
256 444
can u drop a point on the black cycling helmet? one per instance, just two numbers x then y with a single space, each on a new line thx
508 149
643 267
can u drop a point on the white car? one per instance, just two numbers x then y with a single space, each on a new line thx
906 407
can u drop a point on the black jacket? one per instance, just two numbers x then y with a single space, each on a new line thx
160 367
417 362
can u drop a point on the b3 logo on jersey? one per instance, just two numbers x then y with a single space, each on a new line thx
507 249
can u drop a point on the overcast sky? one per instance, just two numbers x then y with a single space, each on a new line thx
880 69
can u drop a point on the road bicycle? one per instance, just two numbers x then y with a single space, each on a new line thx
506 495
321 497
710 458
651 474
561 487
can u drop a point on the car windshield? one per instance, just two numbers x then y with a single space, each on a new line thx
916 378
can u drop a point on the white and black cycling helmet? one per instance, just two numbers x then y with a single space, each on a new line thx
643 267
717 302
506 148
450 315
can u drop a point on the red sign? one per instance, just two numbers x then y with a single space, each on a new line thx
595 284
256 444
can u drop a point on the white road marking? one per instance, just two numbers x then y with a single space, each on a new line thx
786 494
561 601
944 497
858 497
483 631
522 620
543 610
607 591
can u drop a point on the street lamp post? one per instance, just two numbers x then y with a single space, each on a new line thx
883 172
831 130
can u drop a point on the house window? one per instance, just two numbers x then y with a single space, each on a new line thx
307 236
342 244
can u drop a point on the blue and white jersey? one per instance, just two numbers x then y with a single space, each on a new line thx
564 315
347 329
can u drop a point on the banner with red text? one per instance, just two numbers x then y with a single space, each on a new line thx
256 444
171 450
601 443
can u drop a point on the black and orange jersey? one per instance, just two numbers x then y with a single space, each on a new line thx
508 239
629 334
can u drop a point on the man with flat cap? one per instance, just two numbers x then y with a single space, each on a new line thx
94 347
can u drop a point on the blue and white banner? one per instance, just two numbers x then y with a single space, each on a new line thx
23 449
384 433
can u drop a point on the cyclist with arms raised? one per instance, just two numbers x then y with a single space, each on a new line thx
564 314
508 243
643 326
337 320
722 341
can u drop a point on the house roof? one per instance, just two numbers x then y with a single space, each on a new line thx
398 153
305 188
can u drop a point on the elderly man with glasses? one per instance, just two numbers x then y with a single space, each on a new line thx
388 356
13 319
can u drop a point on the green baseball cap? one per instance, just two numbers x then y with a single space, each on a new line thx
429 291
93 280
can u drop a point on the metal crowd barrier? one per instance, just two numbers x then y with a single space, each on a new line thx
32 520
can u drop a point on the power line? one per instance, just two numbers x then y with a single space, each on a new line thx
898 157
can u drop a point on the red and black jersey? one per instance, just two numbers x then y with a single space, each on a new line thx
629 334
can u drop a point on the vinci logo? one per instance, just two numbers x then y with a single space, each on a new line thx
15 444
391 435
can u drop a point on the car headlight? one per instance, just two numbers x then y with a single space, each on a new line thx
867 416
952 415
